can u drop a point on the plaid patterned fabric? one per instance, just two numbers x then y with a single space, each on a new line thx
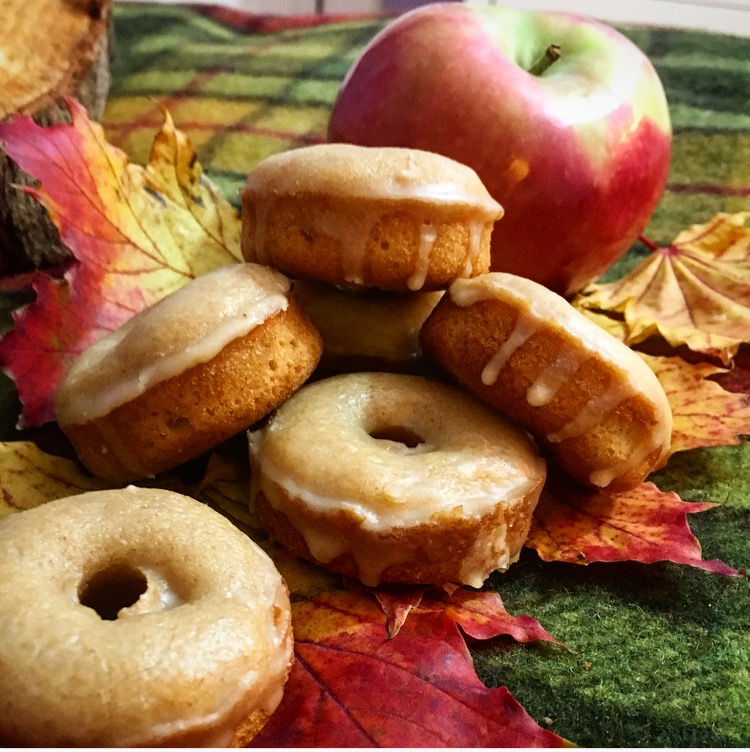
244 87
662 655
240 92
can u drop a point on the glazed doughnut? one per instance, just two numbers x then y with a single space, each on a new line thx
366 330
394 478
180 377
591 401
137 617
398 219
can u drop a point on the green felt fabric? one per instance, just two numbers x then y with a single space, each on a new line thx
658 655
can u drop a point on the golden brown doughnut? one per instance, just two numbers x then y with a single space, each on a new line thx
137 617
189 372
590 400
398 219
394 478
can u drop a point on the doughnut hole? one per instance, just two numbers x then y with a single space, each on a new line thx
398 435
111 589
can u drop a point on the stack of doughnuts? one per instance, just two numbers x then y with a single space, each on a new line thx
387 477
372 237
138 617
370 474
368 234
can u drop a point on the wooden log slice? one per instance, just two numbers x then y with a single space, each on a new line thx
49 48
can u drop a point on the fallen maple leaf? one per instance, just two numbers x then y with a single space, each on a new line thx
352 686
694 292
644 525
480 614
704 414
397 605
137 233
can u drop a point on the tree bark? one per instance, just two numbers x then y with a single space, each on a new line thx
50 49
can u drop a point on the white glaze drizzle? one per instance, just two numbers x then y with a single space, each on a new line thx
638 378
475 247
549 381
523 329
427 236
602 478
373 558
352 233
593 412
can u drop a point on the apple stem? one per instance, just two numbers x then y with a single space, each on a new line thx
551 54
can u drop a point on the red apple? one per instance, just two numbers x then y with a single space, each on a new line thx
576 148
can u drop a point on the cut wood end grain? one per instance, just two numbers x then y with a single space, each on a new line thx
57 48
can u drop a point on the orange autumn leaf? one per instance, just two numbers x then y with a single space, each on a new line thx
704 414
136 233
644 525
695 292
352 686
397 604
481 614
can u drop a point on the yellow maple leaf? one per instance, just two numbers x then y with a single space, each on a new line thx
695 292
32 477
704 414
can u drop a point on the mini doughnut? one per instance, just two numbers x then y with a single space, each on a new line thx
590 400
398 219
137 617
366 330
180 377
394 478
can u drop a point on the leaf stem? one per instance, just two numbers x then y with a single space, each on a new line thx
648 243
551 54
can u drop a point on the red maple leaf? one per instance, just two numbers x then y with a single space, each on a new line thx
644 525
137 233
352 686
